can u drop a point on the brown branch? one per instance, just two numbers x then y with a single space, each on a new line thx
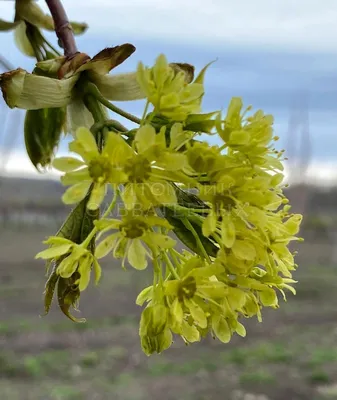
62 27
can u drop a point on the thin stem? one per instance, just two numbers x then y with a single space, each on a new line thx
93 232
97 113
52 47
145 112
189 226
92 89
62 27
110 125
170 266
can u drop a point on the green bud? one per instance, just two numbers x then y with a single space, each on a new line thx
43 130
221 328
153 320
268 298
156 344
201 122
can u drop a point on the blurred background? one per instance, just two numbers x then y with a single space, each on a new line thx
278 56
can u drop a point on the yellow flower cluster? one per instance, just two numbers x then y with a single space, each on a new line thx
225 202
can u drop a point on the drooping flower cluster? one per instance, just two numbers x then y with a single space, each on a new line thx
223 201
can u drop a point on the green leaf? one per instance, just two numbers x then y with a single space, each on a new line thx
68 295
43 129
189 200
50 289
201 122
187 237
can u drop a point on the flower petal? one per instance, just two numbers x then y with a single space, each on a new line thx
97 270
145 295
129 197
197 313
190 332
32 92
221 328
106 245
163 192
55 251
77 114
73 177
117 149
173 161
87 140
145 137
66 164
97 196
244 250
84 269
137 255
160 240
76 193
121 87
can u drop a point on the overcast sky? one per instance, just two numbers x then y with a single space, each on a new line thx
270 52
289 24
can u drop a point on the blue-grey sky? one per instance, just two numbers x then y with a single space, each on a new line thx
272 53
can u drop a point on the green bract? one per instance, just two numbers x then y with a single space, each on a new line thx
28 20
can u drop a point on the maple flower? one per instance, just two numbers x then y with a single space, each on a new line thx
134 238
169 88
95 169
149 168
71 258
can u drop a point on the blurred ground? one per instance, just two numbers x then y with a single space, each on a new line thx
292 354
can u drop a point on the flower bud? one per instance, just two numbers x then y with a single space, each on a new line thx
153 320
43 129
156 344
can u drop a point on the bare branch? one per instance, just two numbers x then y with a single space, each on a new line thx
62 27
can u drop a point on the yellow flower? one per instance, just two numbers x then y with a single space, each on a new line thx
95 170
149 168
169 89
134 238
250 136
188 298
71 258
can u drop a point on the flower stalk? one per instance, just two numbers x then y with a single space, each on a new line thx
63 28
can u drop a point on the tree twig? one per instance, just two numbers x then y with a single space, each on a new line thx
62 27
